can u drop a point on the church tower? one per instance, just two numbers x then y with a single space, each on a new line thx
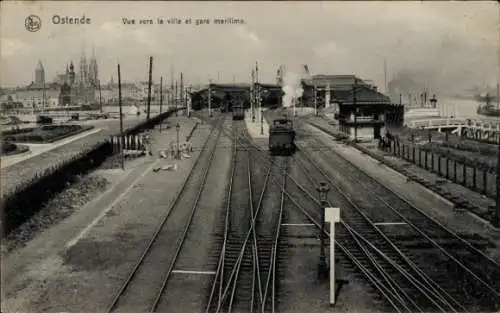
71 74
83 69
93 70
39 75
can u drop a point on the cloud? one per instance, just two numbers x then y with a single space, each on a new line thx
331 37
328 49
247 35
14 46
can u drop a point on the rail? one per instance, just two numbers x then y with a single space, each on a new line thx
412 215
179 243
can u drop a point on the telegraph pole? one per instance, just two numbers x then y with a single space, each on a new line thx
122 138
257 102
496 218
100 97
315 93
181 92
385 75
149 87
172 87
175 98
210 99
161 99
252 95
354 100
188 100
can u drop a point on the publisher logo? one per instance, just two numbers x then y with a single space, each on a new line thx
33 23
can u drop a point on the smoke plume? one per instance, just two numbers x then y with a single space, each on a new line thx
292 87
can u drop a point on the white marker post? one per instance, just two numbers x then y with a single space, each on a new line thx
332 215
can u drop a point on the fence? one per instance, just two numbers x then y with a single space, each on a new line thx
130 142
457 169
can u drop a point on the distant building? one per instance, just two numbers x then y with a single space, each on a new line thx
39 76
80 88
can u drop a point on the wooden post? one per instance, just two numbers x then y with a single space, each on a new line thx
413 154
496 217
122 139
447 168
100 98
485 182
161 100
355 104
419 158
439 165
474 177
464 183
454 170
181 92
426 159
149 88
432 162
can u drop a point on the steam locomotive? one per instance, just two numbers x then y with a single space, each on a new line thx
238 111
282 137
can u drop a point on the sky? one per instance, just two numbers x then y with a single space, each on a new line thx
450 44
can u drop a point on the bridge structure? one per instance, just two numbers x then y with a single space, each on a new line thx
480 129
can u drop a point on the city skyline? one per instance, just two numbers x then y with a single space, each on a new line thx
447 43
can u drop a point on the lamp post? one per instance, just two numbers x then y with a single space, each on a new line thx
354 100
261 121
210 100
322 267
496 215
177 128
175 99
315 94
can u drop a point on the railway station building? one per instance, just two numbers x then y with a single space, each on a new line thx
223 95
345 95
370 107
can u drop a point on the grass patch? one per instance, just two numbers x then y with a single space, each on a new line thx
9 148
44 134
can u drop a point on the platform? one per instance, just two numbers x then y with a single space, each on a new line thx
254 128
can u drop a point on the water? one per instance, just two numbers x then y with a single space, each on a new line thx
462 108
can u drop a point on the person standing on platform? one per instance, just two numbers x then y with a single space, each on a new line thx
146 140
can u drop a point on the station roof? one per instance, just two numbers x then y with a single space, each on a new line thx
366 96
335 81
241 87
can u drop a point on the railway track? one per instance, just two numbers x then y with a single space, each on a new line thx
246 275
144 287
475 276
455 276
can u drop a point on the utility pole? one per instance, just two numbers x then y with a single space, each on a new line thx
43 96
161 99
172 87
122 138
252 95
210 99
181 92
100 97
257 102
496 217
385 75
149 88
188 100
315 94
175 98
355 104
